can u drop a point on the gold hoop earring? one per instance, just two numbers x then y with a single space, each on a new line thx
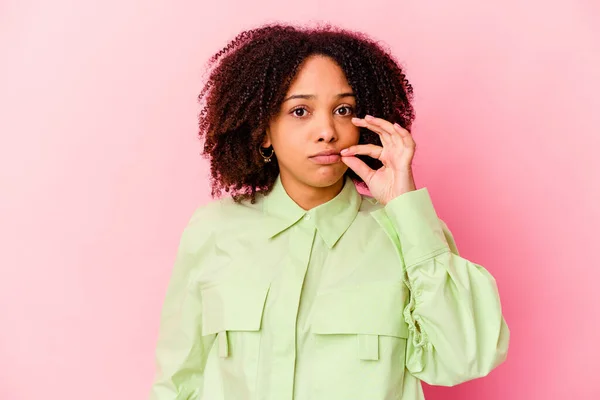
266 158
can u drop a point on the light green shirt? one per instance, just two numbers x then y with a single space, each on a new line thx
347 301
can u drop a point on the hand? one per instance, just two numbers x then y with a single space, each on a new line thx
395 176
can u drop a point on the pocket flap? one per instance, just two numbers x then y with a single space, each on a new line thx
229 307
368 310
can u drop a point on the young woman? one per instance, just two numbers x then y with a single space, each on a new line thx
302 287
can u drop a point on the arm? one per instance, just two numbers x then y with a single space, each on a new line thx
181 350
456 328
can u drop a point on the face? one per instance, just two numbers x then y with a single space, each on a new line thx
315 117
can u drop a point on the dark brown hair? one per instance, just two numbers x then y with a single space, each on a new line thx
249 79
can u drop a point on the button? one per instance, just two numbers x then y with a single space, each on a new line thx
307 217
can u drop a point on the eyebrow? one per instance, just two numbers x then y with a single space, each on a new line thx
312 96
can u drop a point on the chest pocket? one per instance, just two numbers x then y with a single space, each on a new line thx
366 311
232 308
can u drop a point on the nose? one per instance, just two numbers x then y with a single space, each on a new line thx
326 131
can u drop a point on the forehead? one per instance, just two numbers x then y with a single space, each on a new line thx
319 75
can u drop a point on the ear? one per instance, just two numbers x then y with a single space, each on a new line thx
267 140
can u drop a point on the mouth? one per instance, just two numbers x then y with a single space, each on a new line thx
326 157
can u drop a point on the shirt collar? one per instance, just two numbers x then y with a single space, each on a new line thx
331 219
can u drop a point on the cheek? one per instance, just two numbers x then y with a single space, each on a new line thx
289 143
353 136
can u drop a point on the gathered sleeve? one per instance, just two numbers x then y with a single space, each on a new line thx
456 328
181 350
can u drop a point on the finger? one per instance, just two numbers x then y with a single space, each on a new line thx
409 142
381 123
387 126
403 132
407 138
370 150
383 135
360 168
364 123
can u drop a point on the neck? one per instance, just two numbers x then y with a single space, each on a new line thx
309 197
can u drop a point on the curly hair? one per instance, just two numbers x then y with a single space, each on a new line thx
249 79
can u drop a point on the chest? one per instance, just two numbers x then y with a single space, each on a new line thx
357 281
346 301
363 255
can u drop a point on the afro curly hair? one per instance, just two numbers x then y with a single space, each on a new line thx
249 78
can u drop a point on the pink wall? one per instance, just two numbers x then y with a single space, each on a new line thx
99 172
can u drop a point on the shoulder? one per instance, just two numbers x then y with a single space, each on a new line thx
369 204
366 217
415 206
222 215
417 202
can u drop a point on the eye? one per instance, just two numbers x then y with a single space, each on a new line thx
295 112
349 111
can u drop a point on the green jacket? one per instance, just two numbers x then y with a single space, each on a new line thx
347 301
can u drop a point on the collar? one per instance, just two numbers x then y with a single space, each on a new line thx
331 219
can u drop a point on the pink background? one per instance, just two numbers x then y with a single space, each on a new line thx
100 170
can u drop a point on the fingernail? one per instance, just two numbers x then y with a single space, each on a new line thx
397 126
369 116
344 151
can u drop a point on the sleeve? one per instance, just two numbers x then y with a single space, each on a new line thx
181 350
456 328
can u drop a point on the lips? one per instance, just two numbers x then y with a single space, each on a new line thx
326 157
327 153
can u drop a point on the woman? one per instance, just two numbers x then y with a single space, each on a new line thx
304 288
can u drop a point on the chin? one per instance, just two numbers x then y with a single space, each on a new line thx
323 178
